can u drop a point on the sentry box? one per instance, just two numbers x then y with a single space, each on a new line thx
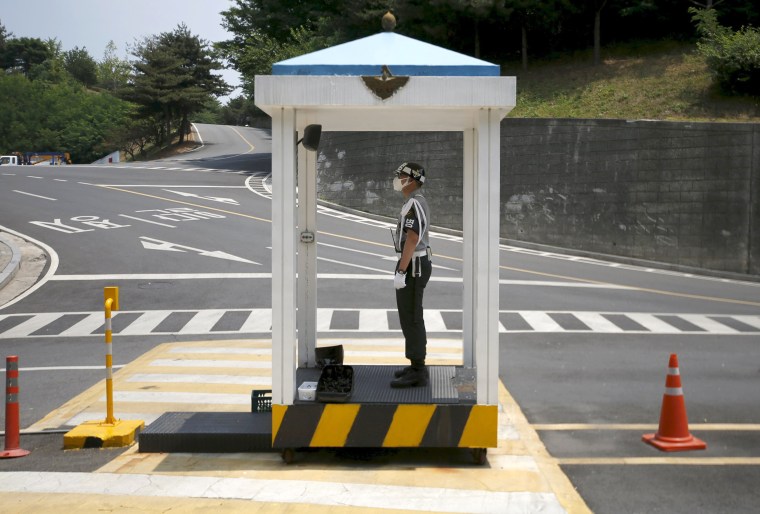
351 87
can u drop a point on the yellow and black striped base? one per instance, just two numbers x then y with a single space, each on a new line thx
384 426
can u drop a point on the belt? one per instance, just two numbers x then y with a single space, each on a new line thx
419 253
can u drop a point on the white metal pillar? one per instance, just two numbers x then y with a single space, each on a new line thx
486 256
307 256
283 255
468 248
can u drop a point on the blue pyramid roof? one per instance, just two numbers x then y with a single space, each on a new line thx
403 56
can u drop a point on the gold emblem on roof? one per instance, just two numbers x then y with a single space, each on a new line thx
386 85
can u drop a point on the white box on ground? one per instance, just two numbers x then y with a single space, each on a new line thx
307 391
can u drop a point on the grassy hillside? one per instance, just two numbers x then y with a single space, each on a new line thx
660 81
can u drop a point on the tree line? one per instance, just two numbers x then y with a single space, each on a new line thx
266 31
54 100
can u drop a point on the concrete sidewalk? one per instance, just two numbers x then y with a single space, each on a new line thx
519 475
21 265
10 259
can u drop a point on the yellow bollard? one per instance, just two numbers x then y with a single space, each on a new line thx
110 432
111 295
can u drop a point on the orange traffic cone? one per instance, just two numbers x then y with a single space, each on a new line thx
673 434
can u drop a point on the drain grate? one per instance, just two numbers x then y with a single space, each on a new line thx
442 384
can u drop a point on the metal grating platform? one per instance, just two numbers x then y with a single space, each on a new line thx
372 385
204 432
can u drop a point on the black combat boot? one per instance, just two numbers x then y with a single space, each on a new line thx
415 377
401 372
406 369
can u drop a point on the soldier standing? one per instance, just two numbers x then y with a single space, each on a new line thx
412 272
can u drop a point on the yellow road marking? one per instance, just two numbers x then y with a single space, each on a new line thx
658 461
654 461
728 427
558 482
252 148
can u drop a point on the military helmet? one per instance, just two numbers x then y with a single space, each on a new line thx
411 169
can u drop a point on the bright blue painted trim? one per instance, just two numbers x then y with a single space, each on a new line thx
376 70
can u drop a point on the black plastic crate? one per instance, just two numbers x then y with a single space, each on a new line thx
336 383
261 400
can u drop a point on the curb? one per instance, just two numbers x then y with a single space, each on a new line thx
10 270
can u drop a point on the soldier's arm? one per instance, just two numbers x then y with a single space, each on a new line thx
412 238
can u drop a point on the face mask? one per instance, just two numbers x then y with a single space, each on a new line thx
397 184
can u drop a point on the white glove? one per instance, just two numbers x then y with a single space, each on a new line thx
399 280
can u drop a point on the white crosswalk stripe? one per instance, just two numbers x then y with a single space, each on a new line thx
324 318
260 320
597 323
88 325
146 323
709 325
753 321
202 322
653 323
368 321
375 320
541 322
33 324
434 322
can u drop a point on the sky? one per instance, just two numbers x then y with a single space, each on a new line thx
91 24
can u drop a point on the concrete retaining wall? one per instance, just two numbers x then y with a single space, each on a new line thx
679 193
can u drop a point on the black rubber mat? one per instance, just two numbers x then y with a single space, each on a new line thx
372 385
208 432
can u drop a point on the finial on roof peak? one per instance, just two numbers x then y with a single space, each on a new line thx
389 22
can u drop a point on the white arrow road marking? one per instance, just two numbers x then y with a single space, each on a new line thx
156 244
211 198
161 245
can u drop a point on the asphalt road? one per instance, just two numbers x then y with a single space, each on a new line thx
584 343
